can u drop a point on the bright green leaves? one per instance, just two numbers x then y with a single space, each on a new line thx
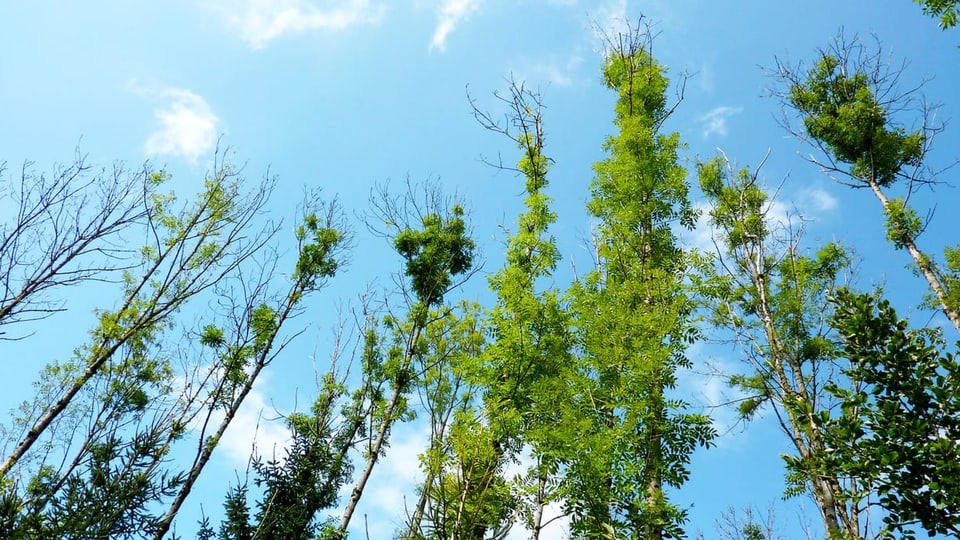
318 244
639 81
950 275
263 323
900 425
738 207
945 10
903 223
212 336
436 254
851 103
842 111
632 321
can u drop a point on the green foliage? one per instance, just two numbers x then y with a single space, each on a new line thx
236 524
737 207
436 254
632 323
318 245
212 336
900 427
842 111
293 491
946 10
263 324
773 299
951 277
109 496
903 223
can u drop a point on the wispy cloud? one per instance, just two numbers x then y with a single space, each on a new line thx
610 20
819 200
554 70
256 423
449 15
187 126
715 121
783 213
262 21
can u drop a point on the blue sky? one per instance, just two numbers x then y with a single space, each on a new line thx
344 94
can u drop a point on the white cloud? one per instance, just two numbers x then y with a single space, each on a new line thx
783 212
255 423
255 427
820 200
450 14
556 71
262 21
715 121
187 125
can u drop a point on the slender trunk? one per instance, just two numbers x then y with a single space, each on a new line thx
541 501
924 264
825 488
381 438
206 449
654 487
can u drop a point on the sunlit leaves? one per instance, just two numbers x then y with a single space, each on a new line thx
319 242
842 110
631 319
436 254
946 10
903 223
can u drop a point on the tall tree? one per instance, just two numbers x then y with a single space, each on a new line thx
519 372
763 289
854 110
632 318
432 237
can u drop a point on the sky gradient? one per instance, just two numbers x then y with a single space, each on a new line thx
343 95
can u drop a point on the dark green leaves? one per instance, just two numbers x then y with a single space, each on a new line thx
842 111
901 424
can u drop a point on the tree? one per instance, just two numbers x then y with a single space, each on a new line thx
107 420
64 231
520 371
852 107
900 427
433 241
761 287
632 319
